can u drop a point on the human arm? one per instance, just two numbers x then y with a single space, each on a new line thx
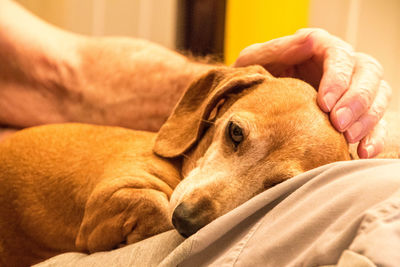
48 75
350 85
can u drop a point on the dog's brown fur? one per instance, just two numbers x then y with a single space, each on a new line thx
77 187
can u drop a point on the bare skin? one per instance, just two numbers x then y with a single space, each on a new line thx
48 75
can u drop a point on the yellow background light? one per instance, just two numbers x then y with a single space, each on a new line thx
255 21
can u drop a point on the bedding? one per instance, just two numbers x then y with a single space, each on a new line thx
341 214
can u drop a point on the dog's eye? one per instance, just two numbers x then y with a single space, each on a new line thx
235 133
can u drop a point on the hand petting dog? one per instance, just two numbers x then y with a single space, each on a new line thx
350 85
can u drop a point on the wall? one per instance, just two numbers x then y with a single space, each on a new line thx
150 19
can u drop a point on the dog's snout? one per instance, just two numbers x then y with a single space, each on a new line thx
189 217
184 220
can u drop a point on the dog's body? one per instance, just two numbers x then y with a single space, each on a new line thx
234 133
55 177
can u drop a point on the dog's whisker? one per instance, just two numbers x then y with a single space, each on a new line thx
208 122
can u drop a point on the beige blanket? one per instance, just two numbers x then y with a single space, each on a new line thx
342 214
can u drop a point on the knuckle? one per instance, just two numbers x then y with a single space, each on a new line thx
379 133
327 43
315 34
313 31
364 98
341 61
333 42
387 89
343 51
369 62
345 48
312 36
382 124
379 107
341 81
247 50
377 111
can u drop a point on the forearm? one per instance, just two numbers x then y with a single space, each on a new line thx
48 75
35 63
140 81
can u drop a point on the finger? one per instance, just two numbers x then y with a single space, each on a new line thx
357 100
367 121
338 62
277 51
338 68
335 55
288 50
371 145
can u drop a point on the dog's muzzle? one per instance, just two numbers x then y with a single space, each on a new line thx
184 220
189 217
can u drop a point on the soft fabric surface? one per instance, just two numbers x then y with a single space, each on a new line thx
342 214
148 252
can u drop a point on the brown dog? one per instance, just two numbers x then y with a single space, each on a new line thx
233 134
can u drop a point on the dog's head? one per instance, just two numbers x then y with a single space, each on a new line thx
241 132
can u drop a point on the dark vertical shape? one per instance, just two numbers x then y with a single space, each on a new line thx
201 27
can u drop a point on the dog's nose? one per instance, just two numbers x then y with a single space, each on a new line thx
186 220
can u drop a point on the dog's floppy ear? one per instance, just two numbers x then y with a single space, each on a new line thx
187 121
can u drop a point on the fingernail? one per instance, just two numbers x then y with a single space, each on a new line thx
370 151
329 101
355 130
344 116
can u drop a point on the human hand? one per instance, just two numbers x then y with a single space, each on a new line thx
350 85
